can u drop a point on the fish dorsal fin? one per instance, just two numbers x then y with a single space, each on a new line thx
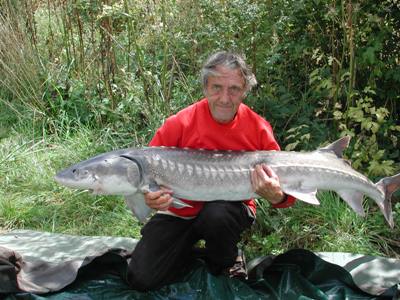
338 146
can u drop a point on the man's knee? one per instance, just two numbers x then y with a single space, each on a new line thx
222 221
221 213
215 212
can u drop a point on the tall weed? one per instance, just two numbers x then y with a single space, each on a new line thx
79 73
20 67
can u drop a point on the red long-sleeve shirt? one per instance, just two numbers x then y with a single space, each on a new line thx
194 127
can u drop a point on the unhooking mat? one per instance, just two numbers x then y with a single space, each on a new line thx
39 265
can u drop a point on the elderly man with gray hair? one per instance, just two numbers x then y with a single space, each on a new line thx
220 121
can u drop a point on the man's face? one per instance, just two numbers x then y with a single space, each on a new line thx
225 92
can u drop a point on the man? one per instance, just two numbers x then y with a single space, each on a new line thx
218 122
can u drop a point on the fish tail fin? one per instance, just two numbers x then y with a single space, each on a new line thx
388 185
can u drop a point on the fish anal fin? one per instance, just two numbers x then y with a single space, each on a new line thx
354 199
305 195
138 206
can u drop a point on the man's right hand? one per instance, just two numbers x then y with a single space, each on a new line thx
159 200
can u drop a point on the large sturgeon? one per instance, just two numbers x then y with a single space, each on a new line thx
204 175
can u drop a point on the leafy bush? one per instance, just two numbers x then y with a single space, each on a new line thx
120 67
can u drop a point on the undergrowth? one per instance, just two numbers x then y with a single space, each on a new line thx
330 227
31 199
80 78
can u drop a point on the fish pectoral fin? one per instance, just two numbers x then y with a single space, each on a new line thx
305 195
354 199
145 189
151 187
177 203
138 206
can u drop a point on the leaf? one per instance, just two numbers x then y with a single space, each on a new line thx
375 127
369 90
337 115
366 124
369 55
291 147
383 168
314 76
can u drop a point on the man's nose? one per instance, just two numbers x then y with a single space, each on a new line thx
225 97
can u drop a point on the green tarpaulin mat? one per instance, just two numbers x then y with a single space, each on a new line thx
37 265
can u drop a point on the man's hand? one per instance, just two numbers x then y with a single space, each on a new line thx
265 183
159 200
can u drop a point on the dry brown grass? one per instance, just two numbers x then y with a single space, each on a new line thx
19 64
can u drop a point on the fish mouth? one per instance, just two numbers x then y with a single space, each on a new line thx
97 191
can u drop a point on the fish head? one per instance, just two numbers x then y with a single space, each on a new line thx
107 174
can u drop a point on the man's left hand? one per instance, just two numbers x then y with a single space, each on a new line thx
265 183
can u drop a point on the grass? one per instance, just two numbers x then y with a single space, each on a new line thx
45 82
19 65
31 199
330 227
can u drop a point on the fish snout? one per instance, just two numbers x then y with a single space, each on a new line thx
61 177
71 174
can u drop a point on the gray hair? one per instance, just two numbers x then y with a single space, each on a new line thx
230 60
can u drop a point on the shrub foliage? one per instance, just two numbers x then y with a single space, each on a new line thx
324 68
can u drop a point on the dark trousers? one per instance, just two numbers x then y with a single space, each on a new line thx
165 250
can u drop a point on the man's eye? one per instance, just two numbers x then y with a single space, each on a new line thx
235 90
216 88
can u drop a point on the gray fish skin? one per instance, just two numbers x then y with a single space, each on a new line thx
203 175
